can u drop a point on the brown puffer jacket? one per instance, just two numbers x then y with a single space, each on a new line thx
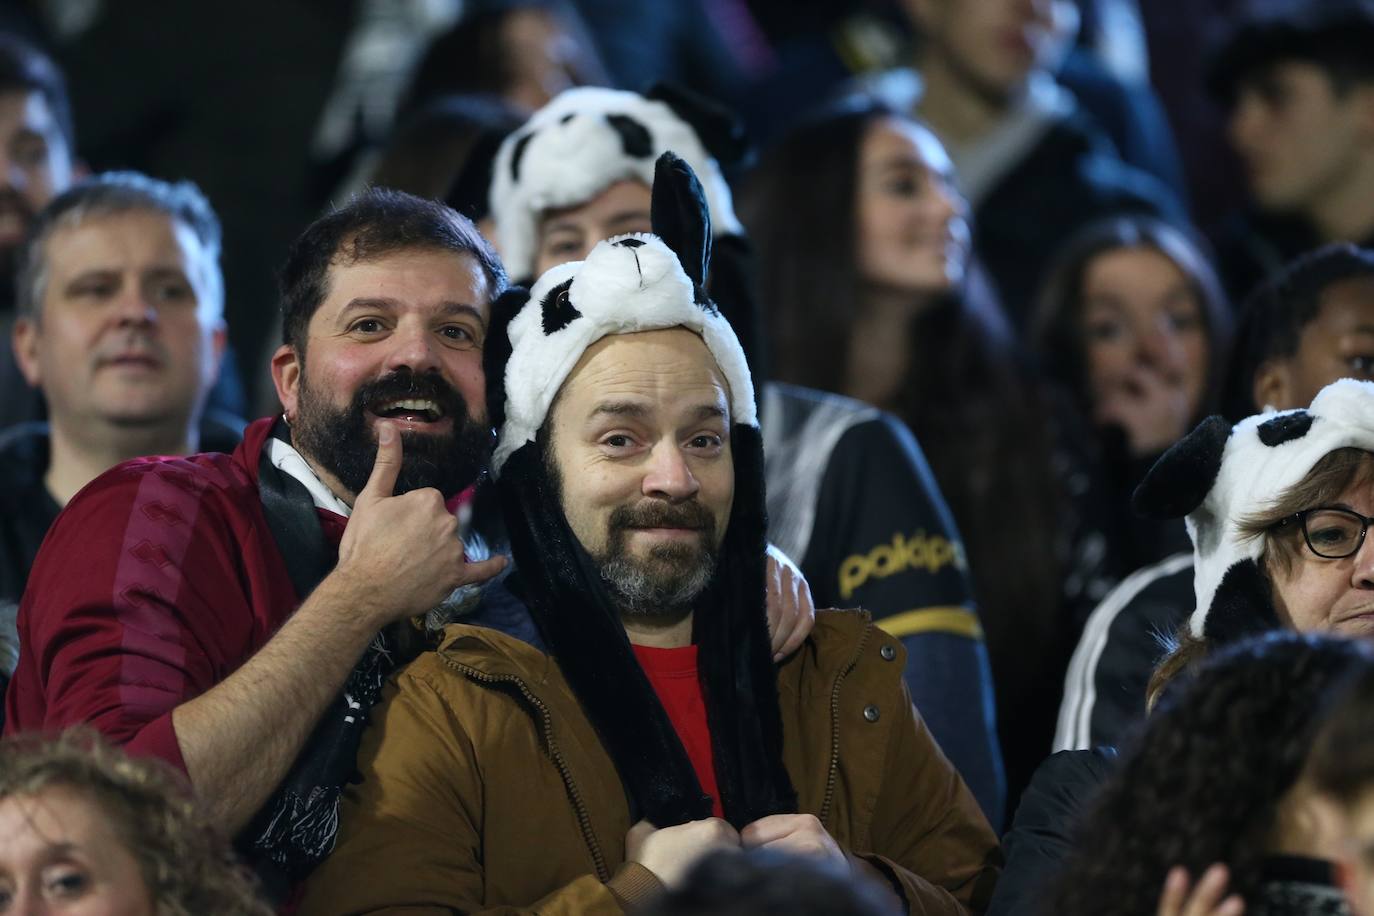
486 790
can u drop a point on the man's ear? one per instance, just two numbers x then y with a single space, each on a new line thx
1273 385
24 340
286 376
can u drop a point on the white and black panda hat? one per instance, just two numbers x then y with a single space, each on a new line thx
640 283
1219 475
588 138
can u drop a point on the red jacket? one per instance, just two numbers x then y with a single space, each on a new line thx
155 583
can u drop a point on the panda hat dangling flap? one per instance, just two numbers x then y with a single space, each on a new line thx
628 284
1219 475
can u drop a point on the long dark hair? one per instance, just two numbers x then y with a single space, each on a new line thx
968 393
1205 778
1058 328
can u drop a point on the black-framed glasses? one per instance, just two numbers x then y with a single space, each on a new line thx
1330 532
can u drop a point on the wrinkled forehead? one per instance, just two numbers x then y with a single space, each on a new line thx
663 372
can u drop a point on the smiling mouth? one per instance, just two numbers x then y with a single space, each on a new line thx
411 410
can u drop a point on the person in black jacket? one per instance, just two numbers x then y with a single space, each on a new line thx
982 79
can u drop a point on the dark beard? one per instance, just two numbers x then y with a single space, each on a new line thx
665 585
340 440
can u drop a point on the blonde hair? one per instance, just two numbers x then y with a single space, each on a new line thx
186 863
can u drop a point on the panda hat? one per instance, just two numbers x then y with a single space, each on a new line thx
1219 475
629 284
587 139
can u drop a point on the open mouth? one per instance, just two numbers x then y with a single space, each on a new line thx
411 410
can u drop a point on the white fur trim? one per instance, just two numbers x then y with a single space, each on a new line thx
617 290
568 162
1254 474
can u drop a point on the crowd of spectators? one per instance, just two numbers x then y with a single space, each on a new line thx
718 456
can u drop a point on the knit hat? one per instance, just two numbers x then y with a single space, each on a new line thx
587 139
1220 475
629 284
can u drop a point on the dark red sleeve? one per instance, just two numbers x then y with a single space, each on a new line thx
132 608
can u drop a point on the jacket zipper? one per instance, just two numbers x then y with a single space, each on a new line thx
603 874
834 773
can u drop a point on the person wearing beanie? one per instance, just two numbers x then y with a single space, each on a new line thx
655 728
850 495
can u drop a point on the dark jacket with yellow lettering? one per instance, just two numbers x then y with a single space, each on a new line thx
853 501
485 788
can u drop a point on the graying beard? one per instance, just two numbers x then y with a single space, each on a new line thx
638 594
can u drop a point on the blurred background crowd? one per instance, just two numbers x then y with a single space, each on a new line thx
1048 236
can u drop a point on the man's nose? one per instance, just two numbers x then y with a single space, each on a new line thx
133 308
412 348
668 475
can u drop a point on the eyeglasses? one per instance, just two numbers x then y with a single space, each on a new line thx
1331 533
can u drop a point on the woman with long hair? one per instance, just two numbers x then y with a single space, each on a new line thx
1134 325
865 274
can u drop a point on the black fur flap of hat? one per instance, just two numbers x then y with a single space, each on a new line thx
720 131
1183 476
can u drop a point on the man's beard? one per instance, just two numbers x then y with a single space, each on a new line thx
665 585
341 441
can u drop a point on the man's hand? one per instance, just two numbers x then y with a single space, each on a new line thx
669 852
791 613
1205 899
797 834
402 553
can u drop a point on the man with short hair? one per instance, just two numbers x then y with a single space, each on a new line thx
1307 327
228 607
850 495
1298 82
120 325
653 727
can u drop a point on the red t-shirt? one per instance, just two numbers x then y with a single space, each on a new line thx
673 672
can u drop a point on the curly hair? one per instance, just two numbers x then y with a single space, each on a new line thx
186 863
1205 778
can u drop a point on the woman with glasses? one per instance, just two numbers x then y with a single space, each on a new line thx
1279 508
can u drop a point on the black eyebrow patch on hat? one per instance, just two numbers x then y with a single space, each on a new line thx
518 154
629 243
1285 428
557 309
634 136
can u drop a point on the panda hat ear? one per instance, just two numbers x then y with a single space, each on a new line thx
717 127
496 350
1183 476
680 217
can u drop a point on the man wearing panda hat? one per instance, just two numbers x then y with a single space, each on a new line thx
657 728
850 496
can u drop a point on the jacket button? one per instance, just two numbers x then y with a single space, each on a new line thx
871 713
888 652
